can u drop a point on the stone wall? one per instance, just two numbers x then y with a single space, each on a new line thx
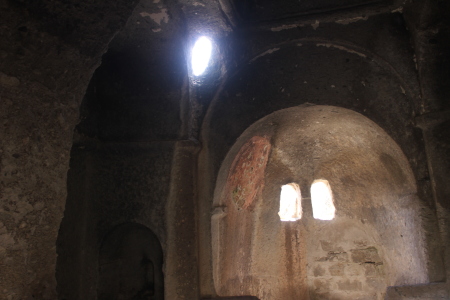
48 51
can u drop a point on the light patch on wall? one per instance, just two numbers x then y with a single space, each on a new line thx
322 200
270 51
351 20
328 45
158 18
284 27
290 202
201 54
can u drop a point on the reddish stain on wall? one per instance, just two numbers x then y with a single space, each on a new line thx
246 176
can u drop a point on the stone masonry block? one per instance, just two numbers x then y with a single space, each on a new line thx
350 285
368 255
337 270
319 271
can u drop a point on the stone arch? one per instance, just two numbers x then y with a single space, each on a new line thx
130 264
375 240
377 90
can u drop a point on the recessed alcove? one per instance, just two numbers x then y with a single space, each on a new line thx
372 242
130 264
120 168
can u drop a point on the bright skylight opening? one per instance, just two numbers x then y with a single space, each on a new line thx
290 202
322 200
201 54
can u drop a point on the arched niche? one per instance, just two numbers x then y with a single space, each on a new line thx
375 239
130 265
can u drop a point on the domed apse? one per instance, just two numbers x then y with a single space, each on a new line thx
371 242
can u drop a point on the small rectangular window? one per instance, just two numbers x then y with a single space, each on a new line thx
322 200
290 203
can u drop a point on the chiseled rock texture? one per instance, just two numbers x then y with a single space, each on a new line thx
102 124
48 51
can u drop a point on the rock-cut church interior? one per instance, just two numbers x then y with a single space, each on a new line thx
224 149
